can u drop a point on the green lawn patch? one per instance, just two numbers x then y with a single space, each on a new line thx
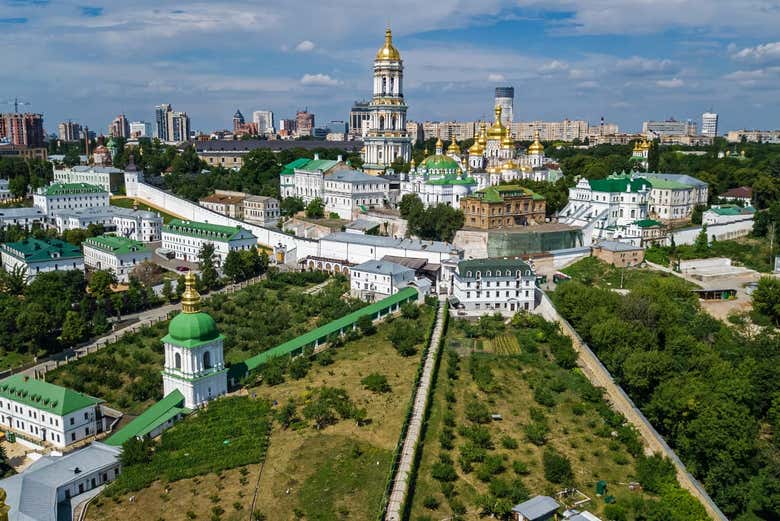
593 271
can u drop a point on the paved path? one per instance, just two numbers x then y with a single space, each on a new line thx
599 376
405 465
144 318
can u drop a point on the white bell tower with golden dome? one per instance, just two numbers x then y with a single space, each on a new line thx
386 138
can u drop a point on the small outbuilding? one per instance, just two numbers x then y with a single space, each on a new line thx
538 508
619 254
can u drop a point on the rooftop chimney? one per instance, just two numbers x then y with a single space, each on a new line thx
316 157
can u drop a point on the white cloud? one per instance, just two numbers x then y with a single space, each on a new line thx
674 83
305 46
494 76
587 85
759 53
319 79
638 65
554 66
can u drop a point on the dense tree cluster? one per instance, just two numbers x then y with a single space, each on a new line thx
709 389
436 223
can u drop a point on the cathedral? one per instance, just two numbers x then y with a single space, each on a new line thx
386 138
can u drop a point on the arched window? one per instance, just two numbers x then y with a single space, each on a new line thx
207 360
381 122
177 361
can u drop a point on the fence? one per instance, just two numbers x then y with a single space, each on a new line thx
599 376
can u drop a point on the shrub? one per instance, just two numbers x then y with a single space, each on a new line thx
410 311
325 358
431 503
299 367
442 471
366 325
479 435
508 442
376 382
446 438
520 468
492 465
543 396
536 433
557 468
654 472
477 412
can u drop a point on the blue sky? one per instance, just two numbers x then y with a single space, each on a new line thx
626 60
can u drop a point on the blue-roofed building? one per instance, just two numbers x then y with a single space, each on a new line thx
49 488
377 279
538 508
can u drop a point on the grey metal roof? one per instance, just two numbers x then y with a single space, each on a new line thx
382 267
353 176
537 507
97 169
390 242
680 178
362 224
616 246
108 212
244 146
32 495
16 213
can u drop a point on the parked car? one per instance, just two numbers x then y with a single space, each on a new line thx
182 268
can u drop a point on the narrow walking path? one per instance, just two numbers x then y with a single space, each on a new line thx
402 476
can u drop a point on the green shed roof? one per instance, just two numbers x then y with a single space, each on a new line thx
44 396
116 244
289 168
212 232
732 209
647 223
618 184
42 250
322 332
451 180
496 194
665 184
150 419
72 188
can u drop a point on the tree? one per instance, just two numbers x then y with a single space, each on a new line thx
410 205
366 325
701 245
766 298
233 267
557 468
100 283
376 382
74 329
136 451
315 209
291 205
167 291
208 272
15 281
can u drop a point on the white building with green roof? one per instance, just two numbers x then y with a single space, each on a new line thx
497 285
439 179
116 254
69 196
348 192
304 177
41 255
186 239
194 360
44 412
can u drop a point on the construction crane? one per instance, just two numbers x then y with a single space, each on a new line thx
16 102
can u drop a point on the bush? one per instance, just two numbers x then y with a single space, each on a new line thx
557 468
431 503
477 412
508 442
366 325
376 382
536 433
653 472
543 396
491 466
410 310
299 367
443 471
520 468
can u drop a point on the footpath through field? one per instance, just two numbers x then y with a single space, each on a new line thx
599 376
403 473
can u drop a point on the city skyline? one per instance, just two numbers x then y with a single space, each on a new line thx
574 59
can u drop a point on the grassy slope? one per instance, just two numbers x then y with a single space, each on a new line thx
596 272
746 251
323 474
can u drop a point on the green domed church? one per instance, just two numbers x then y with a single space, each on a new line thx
194 361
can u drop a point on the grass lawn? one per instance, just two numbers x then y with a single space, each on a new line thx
596 272
746 251
128 202
127 373
11 359
336 473
538 400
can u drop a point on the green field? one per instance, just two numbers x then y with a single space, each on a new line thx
747 251
593 271
473 466
126 202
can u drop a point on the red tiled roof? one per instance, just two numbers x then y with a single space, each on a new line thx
742 191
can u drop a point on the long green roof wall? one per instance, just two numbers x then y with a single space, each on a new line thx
320 335
169 407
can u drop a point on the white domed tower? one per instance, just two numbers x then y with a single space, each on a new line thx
386 138
194 361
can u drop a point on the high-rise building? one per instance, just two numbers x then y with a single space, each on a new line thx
264 119
169 125
304 122
22 129
120 127
360 113
287 127
505 98
386 139
238 121
140 129
709 124
670 127
69 131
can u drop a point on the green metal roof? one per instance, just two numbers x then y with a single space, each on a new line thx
450 180
665 184
322 332
618 184
732 209
439 162
492 264
42 250
116 244
73 188
289 168
212 232
44 396
191 330
150 419
647 223
496 194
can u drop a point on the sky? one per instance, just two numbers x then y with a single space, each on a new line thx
625 60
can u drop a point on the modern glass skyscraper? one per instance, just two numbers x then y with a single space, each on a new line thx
505 98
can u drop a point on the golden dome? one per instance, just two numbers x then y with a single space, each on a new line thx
509 165
536 147
638 146
190 299
482 137
388 51
507 142
497 129
454 148
439 143
475 149
645 145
